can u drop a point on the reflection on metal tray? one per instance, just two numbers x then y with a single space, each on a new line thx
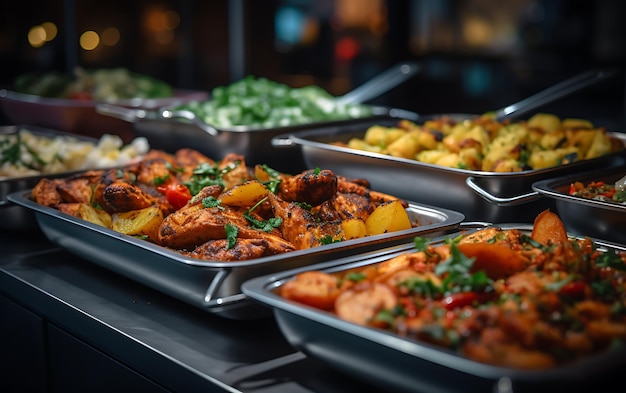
14 217
604 220
211 285
433 184
403 364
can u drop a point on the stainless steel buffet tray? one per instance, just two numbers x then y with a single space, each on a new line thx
480 196
407 365
591 217
211 285
14 217
171 130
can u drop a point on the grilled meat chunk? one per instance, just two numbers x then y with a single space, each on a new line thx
300 227
311 186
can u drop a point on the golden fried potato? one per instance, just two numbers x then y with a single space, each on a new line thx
388 217
87 212
353 228
143 222
244 195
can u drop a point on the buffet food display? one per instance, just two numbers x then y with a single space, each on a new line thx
553 153
222 210
486 144
102 84
589 202
196 228
532 304
355 225
25 152
258 103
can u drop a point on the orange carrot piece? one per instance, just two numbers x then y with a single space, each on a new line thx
497 260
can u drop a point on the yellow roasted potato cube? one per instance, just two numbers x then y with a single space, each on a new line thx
576 123
388 217
353 228
382 136
142 222
244 195
406 146
87 212
545 121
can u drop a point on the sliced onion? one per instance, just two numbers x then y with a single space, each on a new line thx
620 185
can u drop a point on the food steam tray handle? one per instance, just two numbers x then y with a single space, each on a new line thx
380 84
188 115
127 114
500 201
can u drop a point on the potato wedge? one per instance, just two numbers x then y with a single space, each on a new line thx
388 217
353 228
244 195
143 222
548 228
87 212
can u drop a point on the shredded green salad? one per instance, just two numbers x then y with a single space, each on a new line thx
262 103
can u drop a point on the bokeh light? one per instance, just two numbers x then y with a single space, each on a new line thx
110 36
36 36
89 40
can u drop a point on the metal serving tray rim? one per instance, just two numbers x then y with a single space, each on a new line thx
450 220
262 289
302 138
168 114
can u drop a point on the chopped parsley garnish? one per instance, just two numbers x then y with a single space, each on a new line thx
231 235
207 174
456 275
274 179
265 226
329 240
161 180
212 201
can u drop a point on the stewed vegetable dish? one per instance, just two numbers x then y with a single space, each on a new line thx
503 297
600 190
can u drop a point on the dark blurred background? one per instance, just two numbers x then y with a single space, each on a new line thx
477 55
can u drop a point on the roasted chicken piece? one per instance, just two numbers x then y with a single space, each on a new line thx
74 189
234 169
311 186
187 160
347 186
300 227
45 192
244 249
121 196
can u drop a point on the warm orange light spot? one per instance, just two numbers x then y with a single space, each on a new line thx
110 36
89 40
50 30
36 36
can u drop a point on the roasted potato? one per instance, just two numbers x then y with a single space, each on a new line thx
353 228
87 212
143 222
244 195
388 217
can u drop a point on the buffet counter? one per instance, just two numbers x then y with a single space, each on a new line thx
69 325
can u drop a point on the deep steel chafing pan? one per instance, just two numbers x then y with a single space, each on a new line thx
480 196
170 131
585 216
400 364
14 217
210 285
